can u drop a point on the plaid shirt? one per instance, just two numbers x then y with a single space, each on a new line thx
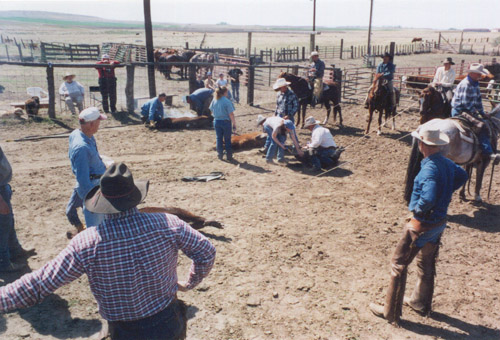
131 263
467 97
287 104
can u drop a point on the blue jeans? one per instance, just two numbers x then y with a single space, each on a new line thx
223 133
484 142
92 219
74 203
169 324
454 112
432 236
9 244
322 157
272 147
236 91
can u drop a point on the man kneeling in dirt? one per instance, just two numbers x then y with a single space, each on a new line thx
322 148
130 260
152 111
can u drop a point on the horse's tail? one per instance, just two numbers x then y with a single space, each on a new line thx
412 169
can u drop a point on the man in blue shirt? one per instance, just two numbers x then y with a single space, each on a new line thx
86 163
201 100
318 72
152 111
468 99
432 191
386 70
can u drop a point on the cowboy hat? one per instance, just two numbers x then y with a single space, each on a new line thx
90 114
68 74
310 121
117 191
280 82
260 119
313 53
477 68
431 137
448 61
386 54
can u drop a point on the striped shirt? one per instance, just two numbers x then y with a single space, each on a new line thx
131 263
468 97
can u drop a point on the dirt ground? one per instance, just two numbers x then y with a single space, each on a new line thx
300 256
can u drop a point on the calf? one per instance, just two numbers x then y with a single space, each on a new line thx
32 106
197 222
248 141
185 123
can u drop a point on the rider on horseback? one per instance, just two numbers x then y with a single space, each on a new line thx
444 79
468 99
317 72
386 70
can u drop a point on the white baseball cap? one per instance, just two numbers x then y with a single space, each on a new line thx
90 114
313 53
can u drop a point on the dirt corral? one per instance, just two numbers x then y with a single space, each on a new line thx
300 256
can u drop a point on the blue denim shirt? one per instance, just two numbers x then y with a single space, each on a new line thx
387 70
85 161
433 187
199 96
153 110
319 65
221 108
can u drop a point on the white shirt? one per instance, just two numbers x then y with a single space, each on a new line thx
274 122
73 89
446 78
221 82
321 137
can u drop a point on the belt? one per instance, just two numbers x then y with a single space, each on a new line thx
92 177
420 226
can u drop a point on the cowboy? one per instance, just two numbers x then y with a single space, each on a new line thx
385 70
152 111
445 78
433 187
130 260
234 74
468 99
276 129
107 83
318 71
10 249
86 163
287 102
200 99
73 92
322 147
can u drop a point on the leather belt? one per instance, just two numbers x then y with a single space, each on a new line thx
420 226
92 177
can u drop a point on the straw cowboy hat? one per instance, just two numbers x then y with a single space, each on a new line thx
260 119
448 61
431 137
313 53
477 68
117 191
68 74
280 83
310 121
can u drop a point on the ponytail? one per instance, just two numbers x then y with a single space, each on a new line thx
220 92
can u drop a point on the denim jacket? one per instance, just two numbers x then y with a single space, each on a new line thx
85 161
433 187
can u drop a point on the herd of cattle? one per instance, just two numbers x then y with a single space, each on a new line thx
170 55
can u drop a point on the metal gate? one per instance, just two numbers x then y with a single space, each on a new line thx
355 84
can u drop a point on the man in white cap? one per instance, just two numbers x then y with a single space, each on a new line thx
433 188
322 146
445 78
287 102
318 71
73 92
107 82
468 99
86 163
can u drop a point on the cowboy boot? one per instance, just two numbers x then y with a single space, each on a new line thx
421 299
72 233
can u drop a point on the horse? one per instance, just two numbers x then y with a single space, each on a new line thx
203 58
378 100
304 92
462 149
166 70
432 105
416 40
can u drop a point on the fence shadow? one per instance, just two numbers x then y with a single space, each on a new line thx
350 131
221 238
127 118
253 168
485 218
472 332
303 169
402 136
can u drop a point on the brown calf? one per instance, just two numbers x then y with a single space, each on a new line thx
197 222
248 141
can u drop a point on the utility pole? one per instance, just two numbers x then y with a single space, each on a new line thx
149 48
313 35
369 48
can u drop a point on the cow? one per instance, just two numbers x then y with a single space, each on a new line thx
32 106
416 40
248 141
185 123
197 222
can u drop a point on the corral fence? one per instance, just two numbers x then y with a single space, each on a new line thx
461 45
69 52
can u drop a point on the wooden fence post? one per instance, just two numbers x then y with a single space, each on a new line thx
251 82
341 47
192 82
295 70
392 49
51 91
352 52
187 45
129 89
7 51
303 53
20 52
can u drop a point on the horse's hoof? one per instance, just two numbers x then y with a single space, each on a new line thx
379 132
478 199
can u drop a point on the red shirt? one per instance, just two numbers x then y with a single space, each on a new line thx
107 72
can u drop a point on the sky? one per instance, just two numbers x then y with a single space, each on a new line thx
439 14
